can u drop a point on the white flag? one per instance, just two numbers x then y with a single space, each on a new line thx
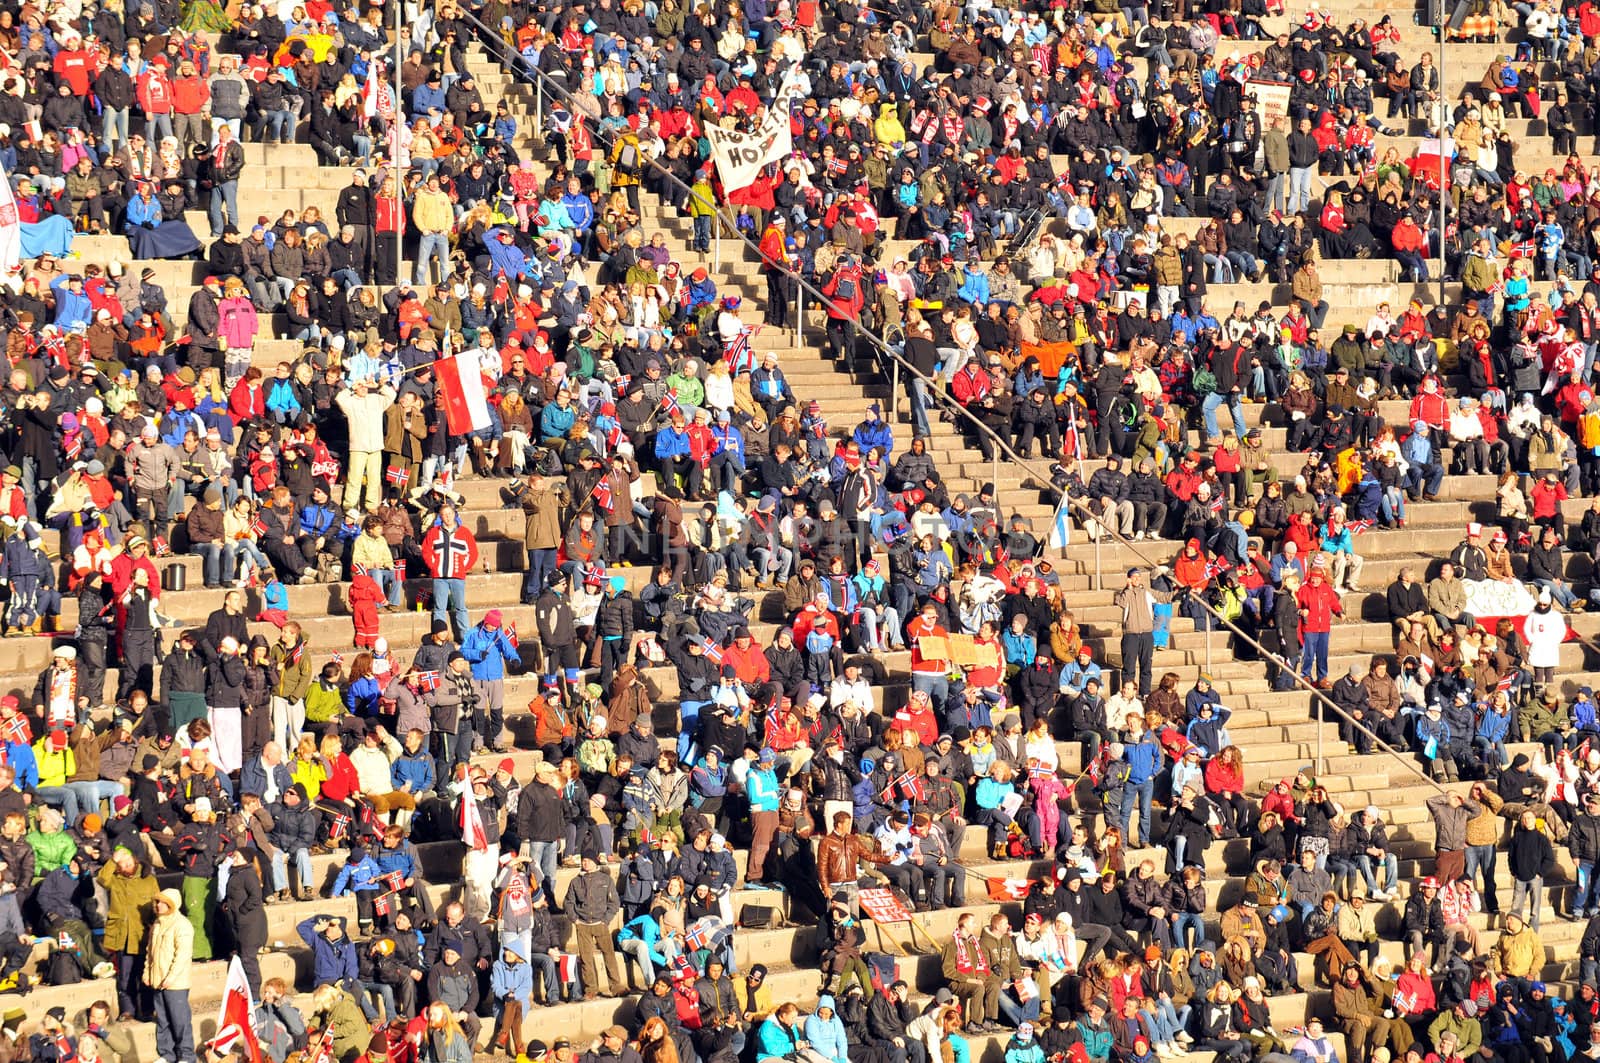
10 228
741 156
1061 525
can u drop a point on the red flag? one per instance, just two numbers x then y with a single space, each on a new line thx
466 406
602 494
1008 889
236 1017
472 832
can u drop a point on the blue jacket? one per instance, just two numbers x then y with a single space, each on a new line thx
1584 715
555 423
1074 677
579 211
513 980
329 962
645 928
1020 649
874 433
281 397
1144 759
827 1036
991 792
318 520
974 286
20 756
775 1041
401 858
425 99
762 790
488 648
416 769
672 443
359 876
253 777
1494 725
142 212
72 311
729 440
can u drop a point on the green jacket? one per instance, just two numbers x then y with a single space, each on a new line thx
50 851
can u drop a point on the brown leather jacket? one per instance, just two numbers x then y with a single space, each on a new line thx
837 859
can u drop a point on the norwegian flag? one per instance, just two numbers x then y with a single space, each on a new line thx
341 824
357 569
620 387
1096 770
1008 889
1216 503
1507 681
297 651
258 527
683 968
669 403
1039 771
713 650
1524 249
707 932
400 569
739 356
428 682
697 937
1217 567
398 475
911 786
1358 526
381 904
14 728
337 658
396 881
602 495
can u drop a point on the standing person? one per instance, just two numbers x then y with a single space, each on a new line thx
450 551
1138 603
489 648
244 907
592 903
130 890
434 216
227 163
167 972
364 410
542 500
1319 604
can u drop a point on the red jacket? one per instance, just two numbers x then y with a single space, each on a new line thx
190 95
246 403
1320 604
155 92
749 665
1431 409
1547 498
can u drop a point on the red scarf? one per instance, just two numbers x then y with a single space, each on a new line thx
973 961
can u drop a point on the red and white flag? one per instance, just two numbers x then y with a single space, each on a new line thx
235 1019
1008 889
472 832
377 95
10 228
466 404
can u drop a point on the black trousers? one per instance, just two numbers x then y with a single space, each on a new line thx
1138 648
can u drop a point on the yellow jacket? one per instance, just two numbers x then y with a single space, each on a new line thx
168 960
432 211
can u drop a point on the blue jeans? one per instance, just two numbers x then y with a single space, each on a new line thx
1563 594
219 562
1213 402
450 598
60 797
1299 188
1391 872
90 794
224 195
432 246
1585 895
1145 792
919 407
389 582
279 125
174 1027
937 687
156 128
1015 1013
302 869
543 855
1314 655
1188 928
541 563
114 126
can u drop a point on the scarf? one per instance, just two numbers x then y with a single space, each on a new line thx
63 699
969 958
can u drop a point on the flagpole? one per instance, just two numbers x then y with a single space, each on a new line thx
394 160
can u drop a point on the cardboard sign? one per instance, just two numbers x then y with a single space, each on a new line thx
963 650
882 906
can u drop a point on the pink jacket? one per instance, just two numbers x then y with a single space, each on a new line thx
237 323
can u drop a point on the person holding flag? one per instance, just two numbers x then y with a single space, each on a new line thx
478 811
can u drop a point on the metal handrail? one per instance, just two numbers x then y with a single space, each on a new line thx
520 69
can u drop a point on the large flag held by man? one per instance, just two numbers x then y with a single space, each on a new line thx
466 403
742 156
236 1018
10 228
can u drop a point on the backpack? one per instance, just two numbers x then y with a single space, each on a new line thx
844 285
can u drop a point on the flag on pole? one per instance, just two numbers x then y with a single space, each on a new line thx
236 1017
1061 525
1008 889
10 228
377 96
466 405
602 495
669 403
